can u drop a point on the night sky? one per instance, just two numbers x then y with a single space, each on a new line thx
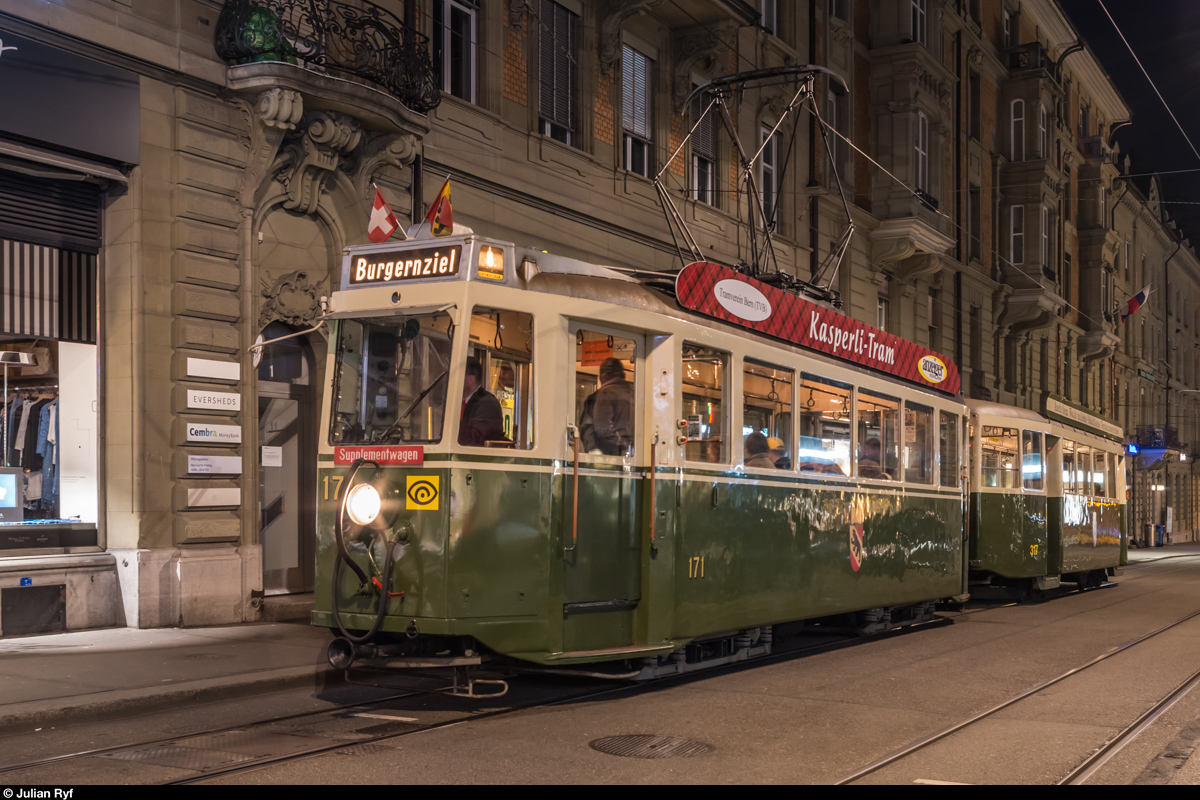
1165 35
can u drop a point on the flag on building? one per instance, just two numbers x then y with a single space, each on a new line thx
383 222
441 216
1134 303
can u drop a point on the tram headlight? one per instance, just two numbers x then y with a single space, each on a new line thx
363 504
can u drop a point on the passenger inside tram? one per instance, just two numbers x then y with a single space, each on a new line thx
758 452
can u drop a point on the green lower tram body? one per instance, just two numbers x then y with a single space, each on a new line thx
499 561
1022 537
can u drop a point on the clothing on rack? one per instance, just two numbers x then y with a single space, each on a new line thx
33 436
47 448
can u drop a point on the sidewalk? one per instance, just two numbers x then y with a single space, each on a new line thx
90 675
1155 553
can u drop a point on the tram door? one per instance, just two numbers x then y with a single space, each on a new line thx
287 452
601 542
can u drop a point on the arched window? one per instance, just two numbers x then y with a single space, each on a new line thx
1018 131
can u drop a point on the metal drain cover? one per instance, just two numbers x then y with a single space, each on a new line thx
647 745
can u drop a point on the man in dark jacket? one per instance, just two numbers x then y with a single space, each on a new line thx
610 428
481 420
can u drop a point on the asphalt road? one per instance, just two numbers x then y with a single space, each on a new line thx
807 719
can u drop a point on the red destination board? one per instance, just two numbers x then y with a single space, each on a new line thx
719 292
383 455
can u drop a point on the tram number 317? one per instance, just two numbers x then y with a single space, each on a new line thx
696 567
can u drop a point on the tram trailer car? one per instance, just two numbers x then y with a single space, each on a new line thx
1047 499
545 523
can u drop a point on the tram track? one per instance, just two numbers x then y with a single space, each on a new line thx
1094 761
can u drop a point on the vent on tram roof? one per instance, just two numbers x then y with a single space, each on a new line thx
51 212
646 745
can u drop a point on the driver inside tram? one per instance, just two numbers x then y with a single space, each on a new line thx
481 420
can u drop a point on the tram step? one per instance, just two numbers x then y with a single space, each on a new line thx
632 651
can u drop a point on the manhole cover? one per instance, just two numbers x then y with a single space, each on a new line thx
646 745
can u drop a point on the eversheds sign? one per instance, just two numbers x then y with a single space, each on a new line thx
396 266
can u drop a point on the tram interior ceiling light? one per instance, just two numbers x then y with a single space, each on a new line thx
364 504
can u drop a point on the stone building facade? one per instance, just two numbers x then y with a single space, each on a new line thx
993 222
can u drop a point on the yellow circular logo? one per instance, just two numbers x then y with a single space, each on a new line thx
422 492
932 368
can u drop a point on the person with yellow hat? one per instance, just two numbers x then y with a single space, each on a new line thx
779 453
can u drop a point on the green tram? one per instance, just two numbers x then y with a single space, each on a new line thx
537 460
1047 500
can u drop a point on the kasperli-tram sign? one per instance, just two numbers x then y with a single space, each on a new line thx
719 292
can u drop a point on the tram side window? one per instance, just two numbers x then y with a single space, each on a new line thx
1083 469
878 420
918 443
704 391
605 372
390 380
1100 474
999 468
497 403
1031 460
1070 485
824 426
948 442
767 415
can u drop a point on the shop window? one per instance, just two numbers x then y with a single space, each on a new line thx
606 377
453 44
767 415
637 110
558 37
824 444
948 445
999 468
878 421
390 380
1032 470
704 406
918 444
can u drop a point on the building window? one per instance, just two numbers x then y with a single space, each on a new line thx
1085 114
1043 133
770 16
837 109
975 123
559 41
1008 29
637 114
976 222
921 154
918 21
454 27
1045 237
837 8
1102 220
1067 193
1018 131
768 178
881 313
1016 237
704 151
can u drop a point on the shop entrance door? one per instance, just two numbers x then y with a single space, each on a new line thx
287 468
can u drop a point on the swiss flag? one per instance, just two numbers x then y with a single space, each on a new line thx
383 222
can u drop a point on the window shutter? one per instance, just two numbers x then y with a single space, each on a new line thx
704 140
50 212
635 96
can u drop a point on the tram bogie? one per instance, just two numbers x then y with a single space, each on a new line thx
540 463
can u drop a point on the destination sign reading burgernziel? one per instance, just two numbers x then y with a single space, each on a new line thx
720 292
404 265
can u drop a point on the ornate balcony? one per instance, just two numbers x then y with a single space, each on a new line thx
362 43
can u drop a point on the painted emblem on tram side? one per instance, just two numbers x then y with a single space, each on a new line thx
422 492
857 552
932 369
742 300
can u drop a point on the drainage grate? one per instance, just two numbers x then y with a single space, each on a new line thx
647 745
214 751
364 749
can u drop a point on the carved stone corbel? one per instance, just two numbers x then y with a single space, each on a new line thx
290 298
382 150
696 48
918 267
840 31
516 13
886 253
306 161
975 57
612 16
273 115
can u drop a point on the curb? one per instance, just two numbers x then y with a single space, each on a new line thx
127 702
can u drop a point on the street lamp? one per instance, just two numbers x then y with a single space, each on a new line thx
11 358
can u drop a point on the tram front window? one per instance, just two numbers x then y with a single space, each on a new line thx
390 381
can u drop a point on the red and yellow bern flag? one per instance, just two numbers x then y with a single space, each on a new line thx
441 216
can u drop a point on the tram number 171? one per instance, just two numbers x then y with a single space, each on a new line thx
696 567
